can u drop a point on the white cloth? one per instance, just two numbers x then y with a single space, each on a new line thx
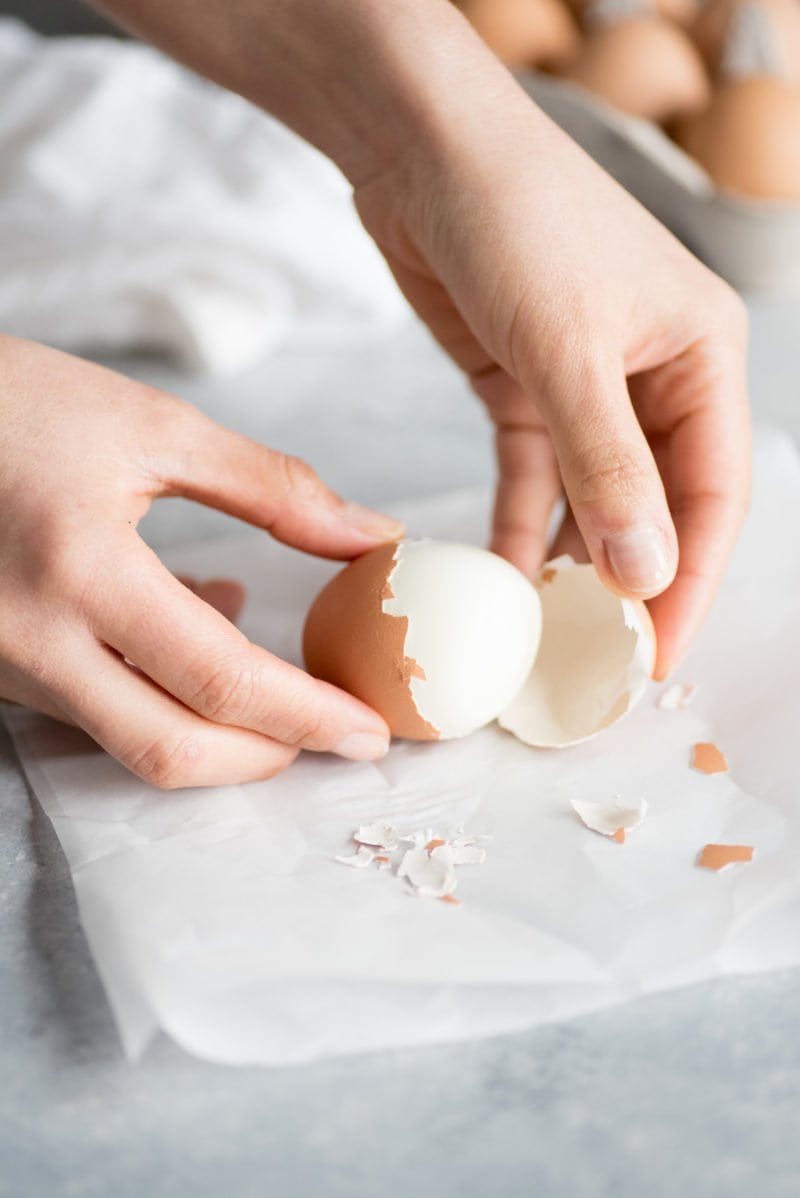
222 916
143 207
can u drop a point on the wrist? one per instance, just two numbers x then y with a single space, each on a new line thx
365 81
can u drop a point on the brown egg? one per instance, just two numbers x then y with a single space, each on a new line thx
525 32
437 637
644 66
781 27
748 139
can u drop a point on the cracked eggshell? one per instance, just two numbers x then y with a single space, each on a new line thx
437 637
596 656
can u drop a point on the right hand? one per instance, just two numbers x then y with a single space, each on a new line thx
96 631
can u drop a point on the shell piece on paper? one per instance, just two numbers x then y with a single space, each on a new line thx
438 637
595 659
379 835
431 874
360 859
466 852
708 759
613 818
677 697
720 856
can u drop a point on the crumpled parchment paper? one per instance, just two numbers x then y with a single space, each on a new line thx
221 917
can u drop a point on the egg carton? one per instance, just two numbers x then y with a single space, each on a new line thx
754 244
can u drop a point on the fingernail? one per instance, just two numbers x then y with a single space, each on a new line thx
362 746
374 524
639 558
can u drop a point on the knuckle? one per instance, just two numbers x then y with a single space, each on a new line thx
226 695
610 472
300 479
164 763
303 725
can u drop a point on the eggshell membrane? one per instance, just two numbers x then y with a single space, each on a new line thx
436 636
525 32
645 66
349 641
748 139
595 658
712 29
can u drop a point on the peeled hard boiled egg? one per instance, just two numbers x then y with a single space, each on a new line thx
437 637
442 638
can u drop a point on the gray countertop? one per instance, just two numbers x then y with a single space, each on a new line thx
694 1092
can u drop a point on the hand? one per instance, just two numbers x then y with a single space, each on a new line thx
95 630
610 360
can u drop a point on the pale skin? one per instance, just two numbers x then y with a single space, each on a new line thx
611 362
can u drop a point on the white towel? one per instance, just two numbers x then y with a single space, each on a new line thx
143 207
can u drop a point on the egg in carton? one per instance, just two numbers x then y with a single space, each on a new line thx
716 155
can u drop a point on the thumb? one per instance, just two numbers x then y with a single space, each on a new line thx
272 490
614 489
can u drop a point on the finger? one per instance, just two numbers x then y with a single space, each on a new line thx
224 594
568 540
281 494
528 488
706 462
196 655
154 736
612 483
28 694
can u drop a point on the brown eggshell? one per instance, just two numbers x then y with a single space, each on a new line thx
350 641
525 32
748 139
713 25
644 66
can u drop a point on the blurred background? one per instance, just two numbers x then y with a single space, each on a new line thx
57 16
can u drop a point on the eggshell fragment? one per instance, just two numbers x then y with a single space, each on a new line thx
596 656
613 818
437 637
720 856
677 697
430 874
378 835
645 66
708 759
360 859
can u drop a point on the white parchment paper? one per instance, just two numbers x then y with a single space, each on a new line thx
221 917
